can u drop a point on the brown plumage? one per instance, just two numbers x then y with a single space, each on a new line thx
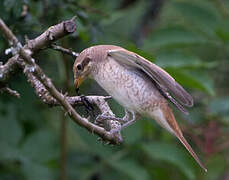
140 86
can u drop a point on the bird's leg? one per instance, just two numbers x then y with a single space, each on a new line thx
128 123
126 118
121 120
88 106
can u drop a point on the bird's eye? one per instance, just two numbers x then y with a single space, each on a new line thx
79 67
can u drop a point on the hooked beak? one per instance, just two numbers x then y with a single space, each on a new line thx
78 81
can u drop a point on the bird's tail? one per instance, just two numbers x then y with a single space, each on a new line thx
174 127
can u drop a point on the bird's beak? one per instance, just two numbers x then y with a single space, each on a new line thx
78 81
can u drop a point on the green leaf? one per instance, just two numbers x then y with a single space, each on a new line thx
142 53
173 37
90 140
8 4
131 168
193 79
177 60
216 167
11 131
15 6
202 15
133 133
128 19
8 152
42 146
220 106
223 32
171 154
36 171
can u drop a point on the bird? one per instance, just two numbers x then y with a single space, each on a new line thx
140 86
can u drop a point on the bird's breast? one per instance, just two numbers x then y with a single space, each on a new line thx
132 89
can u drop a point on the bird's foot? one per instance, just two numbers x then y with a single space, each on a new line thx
126 124
86 103
88 106
113 124
102 118
116 131
107 122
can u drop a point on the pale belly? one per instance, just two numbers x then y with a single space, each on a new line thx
128 87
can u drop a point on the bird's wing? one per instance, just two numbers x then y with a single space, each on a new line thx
164 81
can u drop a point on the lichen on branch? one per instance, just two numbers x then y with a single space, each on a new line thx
44 88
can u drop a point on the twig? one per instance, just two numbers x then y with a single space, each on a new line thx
32 46
31 67
52 34
46 98
64 50
10 91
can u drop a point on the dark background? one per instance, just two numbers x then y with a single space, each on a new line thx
190 39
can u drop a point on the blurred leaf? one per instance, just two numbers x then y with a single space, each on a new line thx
36 171
194 79
223 32
177 60
8 152
99 149
132 134
142 53
8 4
220 106
41 146
15 6
171 154
216 167
11 132
128 19
203 14
82 165
173 37
3 13
114 175
130 168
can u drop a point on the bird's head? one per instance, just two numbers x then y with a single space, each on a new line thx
89 60
81 68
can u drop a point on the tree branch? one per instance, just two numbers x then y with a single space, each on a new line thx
33 70
32 46
10 91
64 50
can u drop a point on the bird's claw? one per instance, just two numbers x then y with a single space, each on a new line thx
103 118
86 103
88 106
115 131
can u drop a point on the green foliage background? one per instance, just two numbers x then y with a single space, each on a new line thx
190 39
